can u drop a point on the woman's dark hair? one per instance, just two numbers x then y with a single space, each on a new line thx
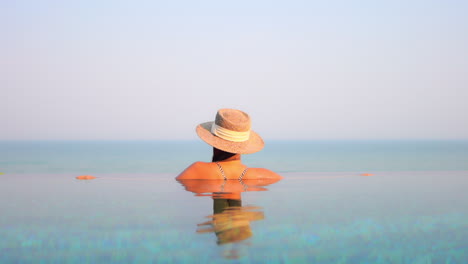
220 155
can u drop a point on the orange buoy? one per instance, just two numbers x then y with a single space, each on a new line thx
367 174
85 177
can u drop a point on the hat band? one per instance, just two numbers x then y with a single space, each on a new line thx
230 135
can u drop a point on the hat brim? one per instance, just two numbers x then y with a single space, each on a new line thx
254 144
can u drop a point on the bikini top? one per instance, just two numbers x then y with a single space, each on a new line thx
224 176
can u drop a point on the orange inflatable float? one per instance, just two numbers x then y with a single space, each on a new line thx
367 174
85 177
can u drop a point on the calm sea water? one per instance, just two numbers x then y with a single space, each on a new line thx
413 210
281 156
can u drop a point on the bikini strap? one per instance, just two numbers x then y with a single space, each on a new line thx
224 175
240 180
242 175
222 171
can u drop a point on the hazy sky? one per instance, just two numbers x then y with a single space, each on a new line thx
302 69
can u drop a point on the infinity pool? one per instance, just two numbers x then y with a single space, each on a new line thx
393 217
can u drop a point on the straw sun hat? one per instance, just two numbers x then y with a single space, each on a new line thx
231 132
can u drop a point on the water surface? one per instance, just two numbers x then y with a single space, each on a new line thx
412 210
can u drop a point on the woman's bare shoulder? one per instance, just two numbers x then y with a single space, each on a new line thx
198 170
257 173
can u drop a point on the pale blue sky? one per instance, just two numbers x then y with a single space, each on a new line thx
301 69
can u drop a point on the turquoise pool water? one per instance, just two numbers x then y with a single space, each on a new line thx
394 216
308 217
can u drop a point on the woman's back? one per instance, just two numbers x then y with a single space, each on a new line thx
225 170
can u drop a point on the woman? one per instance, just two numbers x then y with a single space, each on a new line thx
230 135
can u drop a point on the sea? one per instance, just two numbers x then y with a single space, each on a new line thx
340 201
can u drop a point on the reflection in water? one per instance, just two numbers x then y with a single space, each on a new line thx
230 220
